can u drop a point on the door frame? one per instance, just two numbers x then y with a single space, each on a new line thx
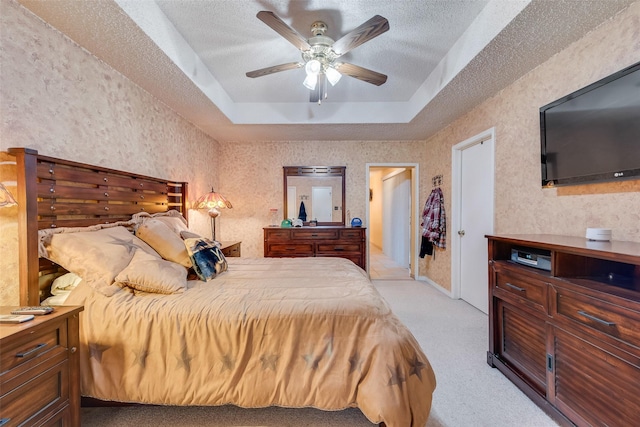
456 205
415 214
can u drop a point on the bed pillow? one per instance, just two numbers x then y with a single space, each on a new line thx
97 254
164 240
207 258
65 283
172 219
147 273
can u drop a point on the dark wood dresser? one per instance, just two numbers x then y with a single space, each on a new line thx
568 334
321 241
40 370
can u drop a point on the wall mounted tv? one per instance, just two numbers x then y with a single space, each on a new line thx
593 134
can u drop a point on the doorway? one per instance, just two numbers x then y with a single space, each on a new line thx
472 206
321 204
391 218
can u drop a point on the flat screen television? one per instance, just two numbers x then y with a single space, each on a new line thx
593 134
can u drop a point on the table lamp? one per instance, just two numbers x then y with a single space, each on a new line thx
213 202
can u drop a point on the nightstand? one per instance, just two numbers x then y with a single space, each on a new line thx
230 249
40 369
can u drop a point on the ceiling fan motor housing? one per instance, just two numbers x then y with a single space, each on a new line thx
318 28
320 46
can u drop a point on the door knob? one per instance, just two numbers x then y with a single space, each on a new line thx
461 233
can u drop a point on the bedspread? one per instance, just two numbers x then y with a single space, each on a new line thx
292 332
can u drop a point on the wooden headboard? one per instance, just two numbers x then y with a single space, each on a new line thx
60 193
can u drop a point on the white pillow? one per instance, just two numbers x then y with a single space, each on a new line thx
65 283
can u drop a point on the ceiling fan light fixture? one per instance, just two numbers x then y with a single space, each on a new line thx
333 75
313 67
310 81
320 52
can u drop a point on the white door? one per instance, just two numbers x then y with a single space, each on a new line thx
292 203
475 203
396 231
321 204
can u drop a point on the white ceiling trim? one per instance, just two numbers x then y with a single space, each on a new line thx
494 18
155 24
491 21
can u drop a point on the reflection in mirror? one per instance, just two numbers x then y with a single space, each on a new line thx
314 193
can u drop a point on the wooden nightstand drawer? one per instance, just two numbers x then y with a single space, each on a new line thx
40 370
37 345
42 392
230 249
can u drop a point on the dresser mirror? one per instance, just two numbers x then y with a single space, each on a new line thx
317 191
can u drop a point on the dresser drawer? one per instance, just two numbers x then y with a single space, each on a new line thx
277 235
520 286
36 346
353 233
615 321
290 249
312 234
323 248
44 389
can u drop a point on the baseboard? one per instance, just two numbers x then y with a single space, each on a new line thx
425 279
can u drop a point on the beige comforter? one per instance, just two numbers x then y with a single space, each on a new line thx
287 332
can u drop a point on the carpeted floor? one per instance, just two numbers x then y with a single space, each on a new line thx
454 336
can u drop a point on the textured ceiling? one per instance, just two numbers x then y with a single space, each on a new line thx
442 58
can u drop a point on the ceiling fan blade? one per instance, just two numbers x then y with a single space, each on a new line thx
361 73
275 69
365 32
280 27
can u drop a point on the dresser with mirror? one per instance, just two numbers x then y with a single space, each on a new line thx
316 195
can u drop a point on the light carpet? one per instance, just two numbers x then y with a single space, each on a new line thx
452 333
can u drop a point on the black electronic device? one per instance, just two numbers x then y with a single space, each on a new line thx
532 257
593 134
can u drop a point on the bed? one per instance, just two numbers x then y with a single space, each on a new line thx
298 332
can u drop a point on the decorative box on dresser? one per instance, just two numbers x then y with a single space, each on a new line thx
320 241
40 370
568 335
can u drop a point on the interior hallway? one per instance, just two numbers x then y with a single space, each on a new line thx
382 267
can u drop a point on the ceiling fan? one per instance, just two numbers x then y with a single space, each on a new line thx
320 53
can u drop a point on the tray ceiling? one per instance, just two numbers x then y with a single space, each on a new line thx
442 58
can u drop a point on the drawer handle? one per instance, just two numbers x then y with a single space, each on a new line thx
595 319
4 421
33 350
517 288
338 249
290 249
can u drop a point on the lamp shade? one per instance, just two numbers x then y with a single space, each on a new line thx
213 200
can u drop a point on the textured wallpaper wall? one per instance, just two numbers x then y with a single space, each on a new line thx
251 176
521 205
62 101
